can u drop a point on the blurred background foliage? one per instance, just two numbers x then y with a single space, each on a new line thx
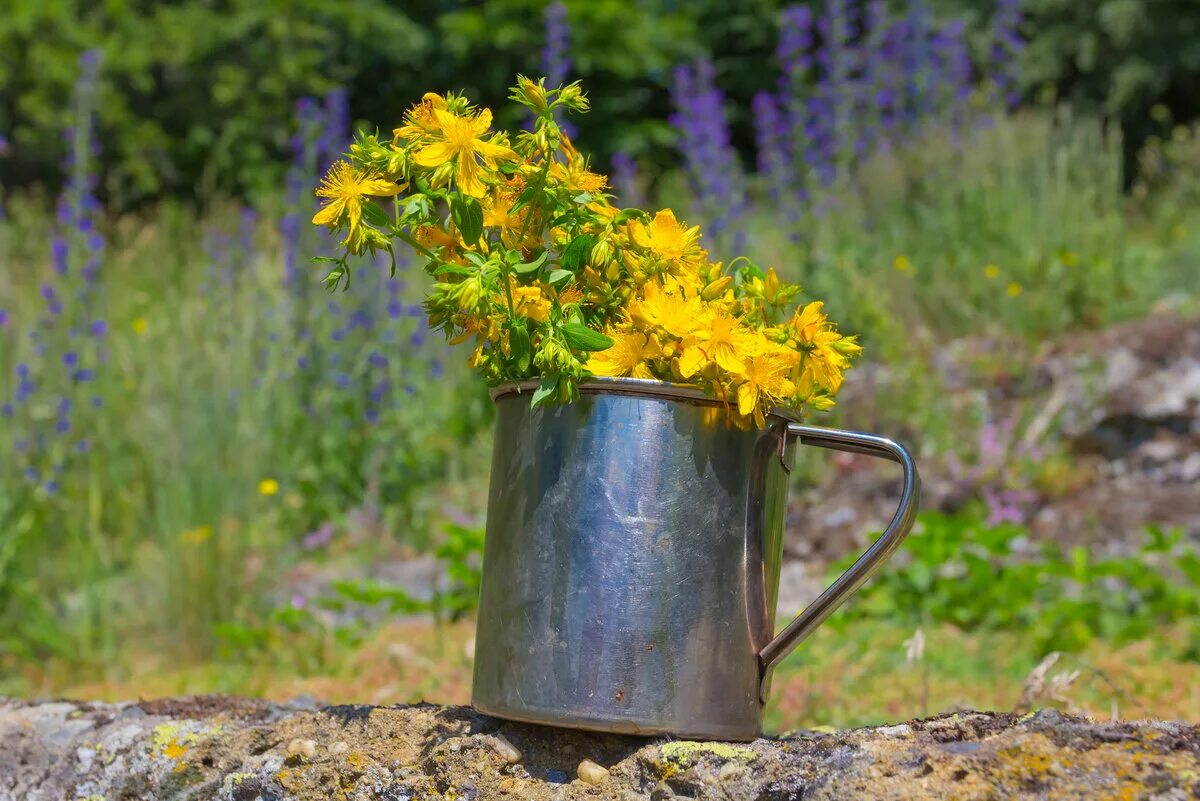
216 476
194 92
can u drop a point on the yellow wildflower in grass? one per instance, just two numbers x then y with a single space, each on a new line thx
1014 289
268 487
627 357
140 326
195 536
462 141
992 272
902 264
343 189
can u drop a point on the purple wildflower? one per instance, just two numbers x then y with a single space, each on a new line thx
625 180
556 58
1007 45
711 161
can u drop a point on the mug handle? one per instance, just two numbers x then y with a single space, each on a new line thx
874 557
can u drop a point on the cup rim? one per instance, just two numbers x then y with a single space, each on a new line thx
638 387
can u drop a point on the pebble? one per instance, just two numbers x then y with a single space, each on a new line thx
662 792
511 754
302 747
591 773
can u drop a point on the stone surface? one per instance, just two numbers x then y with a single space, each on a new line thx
242 750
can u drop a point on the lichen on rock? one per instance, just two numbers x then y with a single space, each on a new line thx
239 750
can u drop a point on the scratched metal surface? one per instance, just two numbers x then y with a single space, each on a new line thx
631 566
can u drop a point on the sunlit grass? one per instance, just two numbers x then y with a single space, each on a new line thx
858 677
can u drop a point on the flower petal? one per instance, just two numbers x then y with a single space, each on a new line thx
330 214
434 155
482 121
355 208
382 187
747 398
467 176
491 151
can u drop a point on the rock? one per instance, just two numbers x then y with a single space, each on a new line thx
301 747
229 749
510 753
662 792
591 773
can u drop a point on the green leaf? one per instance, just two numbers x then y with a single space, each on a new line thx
332 280
547 390
468 217
580 337
577 252
627 214
559 277
455 269
476 259
374 214
583 197
518 343
531 267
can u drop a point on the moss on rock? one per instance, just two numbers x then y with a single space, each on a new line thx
237 750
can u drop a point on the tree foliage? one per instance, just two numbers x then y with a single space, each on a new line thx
200 93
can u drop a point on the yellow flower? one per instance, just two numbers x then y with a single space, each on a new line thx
139 326
991 271
343 189
268 487
765 379
461 140
627 357
669 311
723 339
419 120
195 536
902 264
577 177
666 238
530 302
825 365
808 322
1014 289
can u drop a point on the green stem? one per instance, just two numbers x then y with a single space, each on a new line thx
403 237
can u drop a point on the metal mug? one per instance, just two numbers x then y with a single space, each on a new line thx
632 557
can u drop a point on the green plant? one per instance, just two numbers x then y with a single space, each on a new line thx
959 570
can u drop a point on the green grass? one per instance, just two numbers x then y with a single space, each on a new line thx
858 675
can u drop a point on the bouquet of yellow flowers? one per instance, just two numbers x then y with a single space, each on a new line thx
536 267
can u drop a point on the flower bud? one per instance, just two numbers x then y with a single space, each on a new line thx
601 253
771 286
532 92
717 288
468 293
442 175
573 97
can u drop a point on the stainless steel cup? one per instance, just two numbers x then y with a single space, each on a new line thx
631 564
